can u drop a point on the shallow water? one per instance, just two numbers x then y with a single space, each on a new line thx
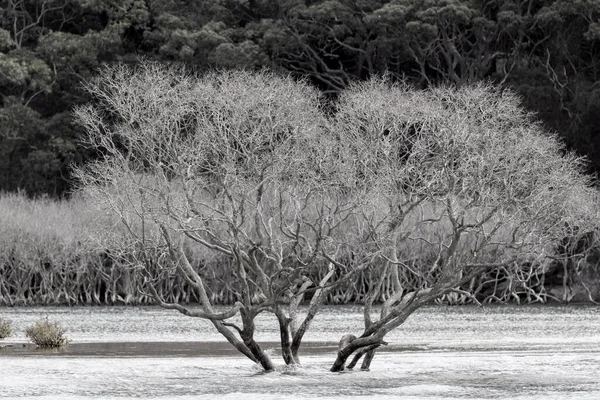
527 352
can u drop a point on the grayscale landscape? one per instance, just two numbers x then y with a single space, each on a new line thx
300 199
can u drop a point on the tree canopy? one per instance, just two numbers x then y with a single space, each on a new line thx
547 51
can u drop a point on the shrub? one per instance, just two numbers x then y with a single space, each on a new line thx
47 334
5 328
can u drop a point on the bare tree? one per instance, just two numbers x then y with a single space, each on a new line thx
236 162
431 187
467 183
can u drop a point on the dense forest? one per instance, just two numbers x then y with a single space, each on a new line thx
548 51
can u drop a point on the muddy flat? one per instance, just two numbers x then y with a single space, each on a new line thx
148 349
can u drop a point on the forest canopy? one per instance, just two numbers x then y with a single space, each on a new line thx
547 51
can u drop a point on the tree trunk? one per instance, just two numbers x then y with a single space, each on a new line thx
349 344
340 362
366 365
289 357
262 358
344 351
247 335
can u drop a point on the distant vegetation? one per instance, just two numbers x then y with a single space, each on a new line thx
548 51
50 254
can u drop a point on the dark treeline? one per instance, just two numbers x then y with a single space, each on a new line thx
546 50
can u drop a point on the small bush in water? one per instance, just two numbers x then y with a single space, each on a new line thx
47 334
5 328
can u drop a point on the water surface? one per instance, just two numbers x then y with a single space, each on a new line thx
527 352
